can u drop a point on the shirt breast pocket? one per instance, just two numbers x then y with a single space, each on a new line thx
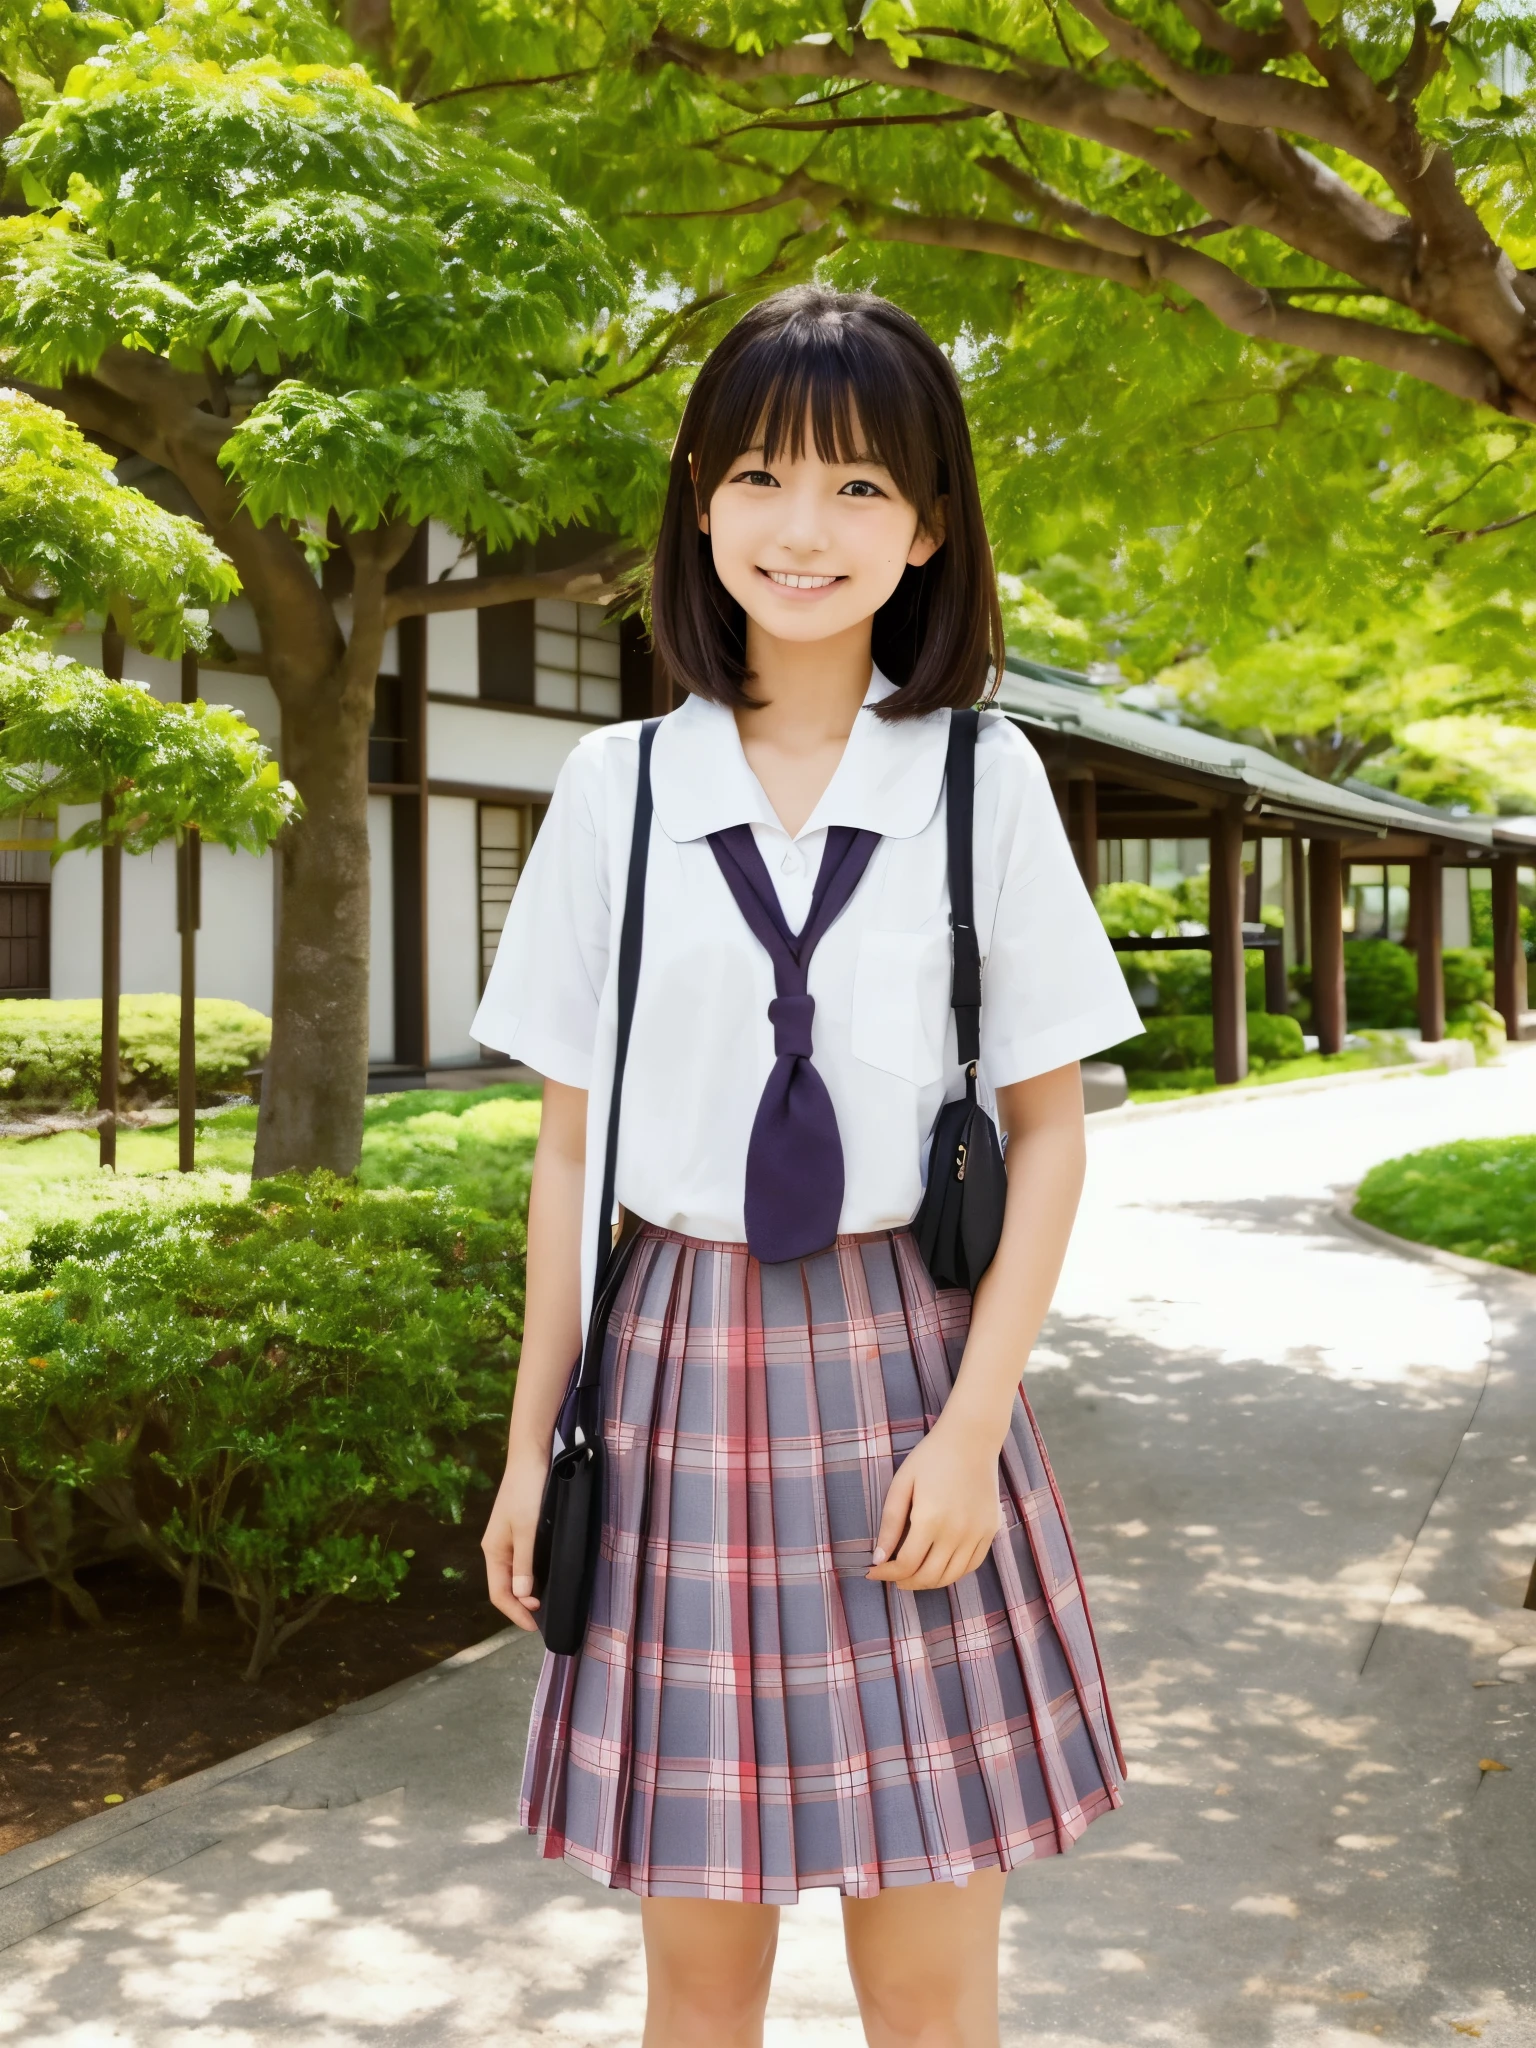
901 1004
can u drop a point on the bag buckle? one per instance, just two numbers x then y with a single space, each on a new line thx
960 1163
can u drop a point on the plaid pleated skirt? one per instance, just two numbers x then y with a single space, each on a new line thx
749 1716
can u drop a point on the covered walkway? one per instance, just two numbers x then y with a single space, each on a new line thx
1124 774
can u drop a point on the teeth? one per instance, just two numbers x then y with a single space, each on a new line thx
798 582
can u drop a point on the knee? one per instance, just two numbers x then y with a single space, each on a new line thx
707 1998
908 2008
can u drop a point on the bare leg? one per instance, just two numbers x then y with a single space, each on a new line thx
708 1964
923 1959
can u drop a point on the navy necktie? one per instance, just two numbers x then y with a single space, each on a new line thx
794 1195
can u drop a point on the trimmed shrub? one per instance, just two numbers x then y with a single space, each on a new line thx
1381 984
52 1051
241 1390
1468 980
1271 1039
1182 1044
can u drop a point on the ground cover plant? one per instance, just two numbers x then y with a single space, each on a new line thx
243 1390
1476 1197
408 1141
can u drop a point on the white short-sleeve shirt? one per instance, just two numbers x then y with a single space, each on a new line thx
702 1044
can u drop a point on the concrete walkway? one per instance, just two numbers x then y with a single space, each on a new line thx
1302 1470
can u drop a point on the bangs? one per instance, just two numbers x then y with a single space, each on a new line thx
850 385
863 381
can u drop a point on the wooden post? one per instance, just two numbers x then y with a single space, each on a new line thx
1229 1000
1426 927
1325 912
1509 976
189 915
111 939
1087 829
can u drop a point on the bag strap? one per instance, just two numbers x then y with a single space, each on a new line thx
581 1399
960 813
630 933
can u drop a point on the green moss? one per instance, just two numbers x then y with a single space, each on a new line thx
1476 1197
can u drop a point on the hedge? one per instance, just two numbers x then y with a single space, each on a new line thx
242 1390
50 1052
1176 1044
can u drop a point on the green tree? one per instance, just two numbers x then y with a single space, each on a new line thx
1243 297
239 258
74 541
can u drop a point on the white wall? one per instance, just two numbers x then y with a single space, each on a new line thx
234 945
453 638
453 934
510 749
381 931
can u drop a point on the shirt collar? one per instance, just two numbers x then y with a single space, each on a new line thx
888 780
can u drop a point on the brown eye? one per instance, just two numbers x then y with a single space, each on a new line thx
861 487
756 476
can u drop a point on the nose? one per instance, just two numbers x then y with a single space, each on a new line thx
802 528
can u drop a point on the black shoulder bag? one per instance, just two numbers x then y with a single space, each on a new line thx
960 1218
571 1514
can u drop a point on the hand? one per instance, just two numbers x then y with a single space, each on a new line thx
508 1539
944 1496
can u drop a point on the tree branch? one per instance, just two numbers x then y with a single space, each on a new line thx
1144 260
1245 46
597 580
1461 533
458 92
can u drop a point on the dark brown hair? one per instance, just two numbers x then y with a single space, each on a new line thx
873 385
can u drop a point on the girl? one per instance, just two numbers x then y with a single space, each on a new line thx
837 1634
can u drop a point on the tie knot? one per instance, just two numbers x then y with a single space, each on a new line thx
791 1017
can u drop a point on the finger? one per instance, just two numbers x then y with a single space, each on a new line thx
510 1592
893 1517
908 1561
937 1569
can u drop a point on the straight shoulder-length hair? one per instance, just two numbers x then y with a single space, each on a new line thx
871 386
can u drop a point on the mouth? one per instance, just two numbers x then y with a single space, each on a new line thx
787 579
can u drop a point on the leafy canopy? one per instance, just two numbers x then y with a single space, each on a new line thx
395 322
74 541
1161 486
72 736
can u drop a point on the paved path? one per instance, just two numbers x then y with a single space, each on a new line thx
1303 1474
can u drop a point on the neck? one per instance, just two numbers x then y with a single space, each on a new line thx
805 691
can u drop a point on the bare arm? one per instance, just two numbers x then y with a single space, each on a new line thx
551 1340
944 1493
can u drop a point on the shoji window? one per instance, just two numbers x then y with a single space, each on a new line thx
506 833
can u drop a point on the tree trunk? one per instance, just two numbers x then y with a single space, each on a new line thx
316 1072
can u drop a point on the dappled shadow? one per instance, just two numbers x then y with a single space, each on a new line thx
1287 1455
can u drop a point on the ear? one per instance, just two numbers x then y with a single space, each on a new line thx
926 543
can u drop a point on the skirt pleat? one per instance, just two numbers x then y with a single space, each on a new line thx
749 1716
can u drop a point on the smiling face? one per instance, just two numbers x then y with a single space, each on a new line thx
811 549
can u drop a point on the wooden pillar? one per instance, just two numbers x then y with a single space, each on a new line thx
1325 913
111 939
189 915
1426 929
1509 976
1085 828
1229 1003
